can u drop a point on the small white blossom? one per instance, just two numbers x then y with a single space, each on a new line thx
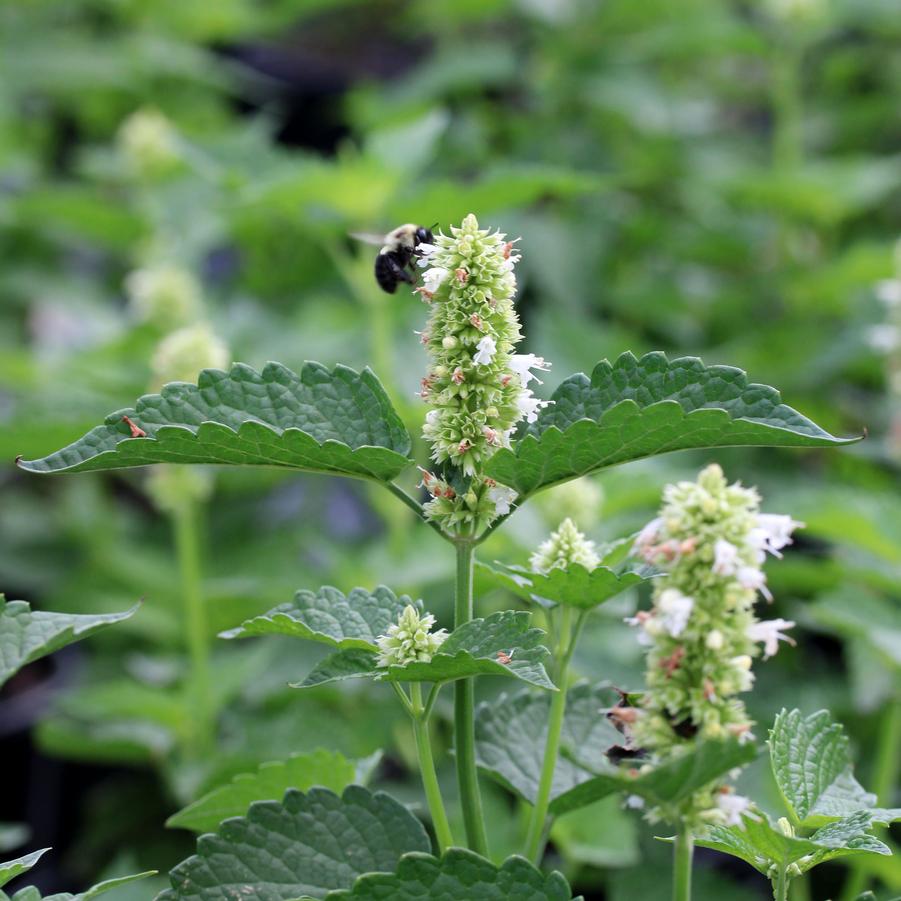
528 405
885 338
714 640
565 547
502 497
486 350
522 364
634 802
773 532
725 558
731 807
425 250
770 632
432 278
754 579
410 639
674 610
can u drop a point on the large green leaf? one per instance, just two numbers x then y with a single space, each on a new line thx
636 408
270 781
811 762
666 784
27 635
9 869
470 650
306 845
511 732
354 621
459 875
574 586
336 421
762 846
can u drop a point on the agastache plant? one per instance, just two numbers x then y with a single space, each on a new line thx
492 445
710 541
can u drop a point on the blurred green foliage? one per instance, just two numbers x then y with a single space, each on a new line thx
720 180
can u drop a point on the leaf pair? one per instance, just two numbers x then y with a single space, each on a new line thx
340 421
357 846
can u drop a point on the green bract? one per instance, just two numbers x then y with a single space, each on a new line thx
338 421
636 408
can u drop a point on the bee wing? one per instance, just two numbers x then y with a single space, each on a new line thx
369 238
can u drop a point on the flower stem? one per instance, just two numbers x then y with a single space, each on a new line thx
780 886
885 779
464 714
537 833
187 546
427 770
683 852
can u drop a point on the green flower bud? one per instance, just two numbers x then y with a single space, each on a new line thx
565 547
410 640
180 356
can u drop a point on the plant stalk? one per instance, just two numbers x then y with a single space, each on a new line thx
683 853
780 887
427 770
187 546
537 834
464 714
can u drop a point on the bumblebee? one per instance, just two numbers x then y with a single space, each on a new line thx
395 262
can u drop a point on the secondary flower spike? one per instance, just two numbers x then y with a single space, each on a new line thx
410 640
710 540
476 386
565 546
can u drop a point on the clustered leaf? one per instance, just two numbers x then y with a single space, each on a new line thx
320 420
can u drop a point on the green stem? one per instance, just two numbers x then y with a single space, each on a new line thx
187 545
427 770
683 852
464 714
537 834
800 889
780 886
886 769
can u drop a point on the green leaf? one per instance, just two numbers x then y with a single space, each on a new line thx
9 869
761 845
511 732
637 408
470 650
460 875
665 784
327 769
574 586
306 845
811 763
334 421
354 621
27 635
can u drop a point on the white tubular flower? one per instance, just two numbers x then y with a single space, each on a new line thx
485 351
501 496
754 579
565 547
528 405
770 632
725 557
731 808
410 640
774 531
432 278
522 364
674 610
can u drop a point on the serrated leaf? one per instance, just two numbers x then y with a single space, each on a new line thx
354 621
270 781
511 732
470 650
27 635
668 783
761 845
334 421
574 586
637 408
9 869
459 875
306 845
811 763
